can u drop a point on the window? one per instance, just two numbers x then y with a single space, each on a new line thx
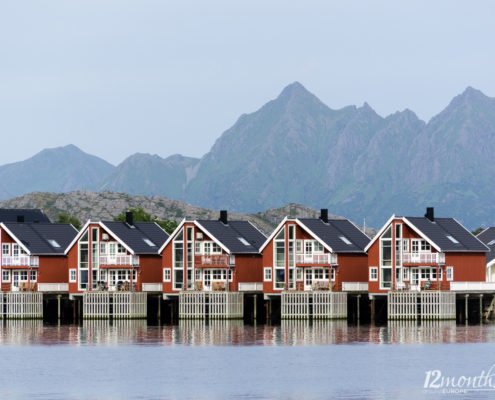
332 274
149 242
452 239
318 247
345 240
243 241
299 274
198 274
207 248
299 246
134 275
373 273
103 275
425 246
425 274
405 245
433 274
415 246
308 246
94 234
318 273
405 274
166 275
450 273
23 276
178 260
398 231
5 249
215 248
268 274
33 275
198 247
6 275
103 248
230 275
398 274
280 254
440 274
120 249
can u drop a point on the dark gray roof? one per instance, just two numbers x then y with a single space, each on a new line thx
36 236
134 236
331 233
440 228
229 234
30 215
488 236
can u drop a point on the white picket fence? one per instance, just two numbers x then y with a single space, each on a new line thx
103 305
214 305
433 305
316 304
18 305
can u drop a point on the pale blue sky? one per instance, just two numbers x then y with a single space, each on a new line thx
117 77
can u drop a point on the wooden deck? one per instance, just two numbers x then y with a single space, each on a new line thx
313 304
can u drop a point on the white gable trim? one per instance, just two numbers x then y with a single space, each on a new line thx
490 263
413 227
77 237
270 238
316 237
172 235
15 238
212 237
116 237
475 236
380 232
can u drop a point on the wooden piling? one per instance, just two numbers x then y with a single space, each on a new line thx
466 309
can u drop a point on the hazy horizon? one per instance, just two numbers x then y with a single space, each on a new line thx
118 77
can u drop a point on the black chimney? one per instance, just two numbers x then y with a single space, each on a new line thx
20 218
324 215
223 216
430 214
128 218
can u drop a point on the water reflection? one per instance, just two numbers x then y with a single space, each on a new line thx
235 333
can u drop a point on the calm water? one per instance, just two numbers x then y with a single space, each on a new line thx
294 360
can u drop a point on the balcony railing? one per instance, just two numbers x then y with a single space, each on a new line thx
326 258
423 258
21 261
215 259
119 260
53 287
472 286
354 286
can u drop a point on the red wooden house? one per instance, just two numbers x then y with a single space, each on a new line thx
307 254
33 256
114 255
416 253
203 255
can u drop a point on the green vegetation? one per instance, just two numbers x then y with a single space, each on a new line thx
476 231
140 215
64 218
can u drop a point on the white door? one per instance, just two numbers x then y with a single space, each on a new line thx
308 278
15 279
207 279
414 276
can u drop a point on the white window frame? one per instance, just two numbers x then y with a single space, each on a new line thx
6 272
5 246
373 271
405 245
72 279
299 246
332 274
33 275
440 274
450 273
299 274
405 274
167 274
267 274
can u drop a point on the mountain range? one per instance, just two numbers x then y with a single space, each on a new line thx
295 149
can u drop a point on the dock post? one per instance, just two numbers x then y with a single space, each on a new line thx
481 309
466 309
79 300
254 305
58 306
372 305
159 310
358 298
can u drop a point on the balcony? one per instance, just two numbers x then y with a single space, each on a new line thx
214 259
317 259
119 260
423 258
354 286
21 261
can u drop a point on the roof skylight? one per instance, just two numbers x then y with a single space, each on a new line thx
149 242
53 243
492 242
452 239
345 240
243 241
